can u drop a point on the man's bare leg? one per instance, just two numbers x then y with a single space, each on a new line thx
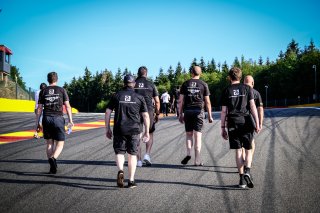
50 148
197 147
120 162
57 149
149 144
189 144
132 165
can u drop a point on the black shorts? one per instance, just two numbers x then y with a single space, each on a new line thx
240 133
126 143
53 127
193 120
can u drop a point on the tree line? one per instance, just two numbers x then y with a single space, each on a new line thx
290 77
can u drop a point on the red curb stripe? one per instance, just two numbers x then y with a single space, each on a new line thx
13 138
89 125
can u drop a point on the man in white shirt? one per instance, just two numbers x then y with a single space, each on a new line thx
165 97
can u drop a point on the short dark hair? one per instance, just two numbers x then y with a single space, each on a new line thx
196 70
43 85
52 77
142 71
235 74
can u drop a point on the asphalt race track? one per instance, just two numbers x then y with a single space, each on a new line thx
286 170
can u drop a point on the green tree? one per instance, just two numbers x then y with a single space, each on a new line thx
203 65
236 62
118 82
16 76
260 61
194 63
178 70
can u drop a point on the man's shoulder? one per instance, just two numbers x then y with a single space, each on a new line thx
255 91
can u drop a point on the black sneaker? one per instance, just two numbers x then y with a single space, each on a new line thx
185 160
120 179
53 168
132 184
242 183
249 180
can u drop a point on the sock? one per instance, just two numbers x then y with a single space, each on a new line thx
247 170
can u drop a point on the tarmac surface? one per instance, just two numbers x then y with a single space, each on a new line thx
286 170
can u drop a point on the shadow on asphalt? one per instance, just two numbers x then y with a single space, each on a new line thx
55 179
65 180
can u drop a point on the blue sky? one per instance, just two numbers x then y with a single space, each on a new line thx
68 35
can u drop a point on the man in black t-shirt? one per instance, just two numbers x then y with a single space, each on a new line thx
248 80
235 101
129 108
150 93
194 93
176 96
51 101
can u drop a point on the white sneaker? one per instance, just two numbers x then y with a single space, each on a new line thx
139 163
147 160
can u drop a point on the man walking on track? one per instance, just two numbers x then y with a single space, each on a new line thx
165 97
51 101
129 108
150 93
248 80
237 101
36 100
194 94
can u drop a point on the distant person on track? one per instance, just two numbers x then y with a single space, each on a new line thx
165 97
194 94
176 96
129 108
150 93
51 101
36 99
237 102
248 80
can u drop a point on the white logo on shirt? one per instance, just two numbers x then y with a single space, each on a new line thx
51 91
127 98
236 92
193 84
141 85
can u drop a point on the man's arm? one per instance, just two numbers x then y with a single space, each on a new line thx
146 121
208 106
38 114
157 108
224 133
261 115
69 112
107 123
254 112
181 102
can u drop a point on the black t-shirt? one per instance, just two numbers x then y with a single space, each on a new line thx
147 89
176 95
52 98
257 98
236 97
194 91
127 105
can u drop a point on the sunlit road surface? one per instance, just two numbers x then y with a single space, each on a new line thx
286 170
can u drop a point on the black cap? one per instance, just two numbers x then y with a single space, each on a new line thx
129 79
